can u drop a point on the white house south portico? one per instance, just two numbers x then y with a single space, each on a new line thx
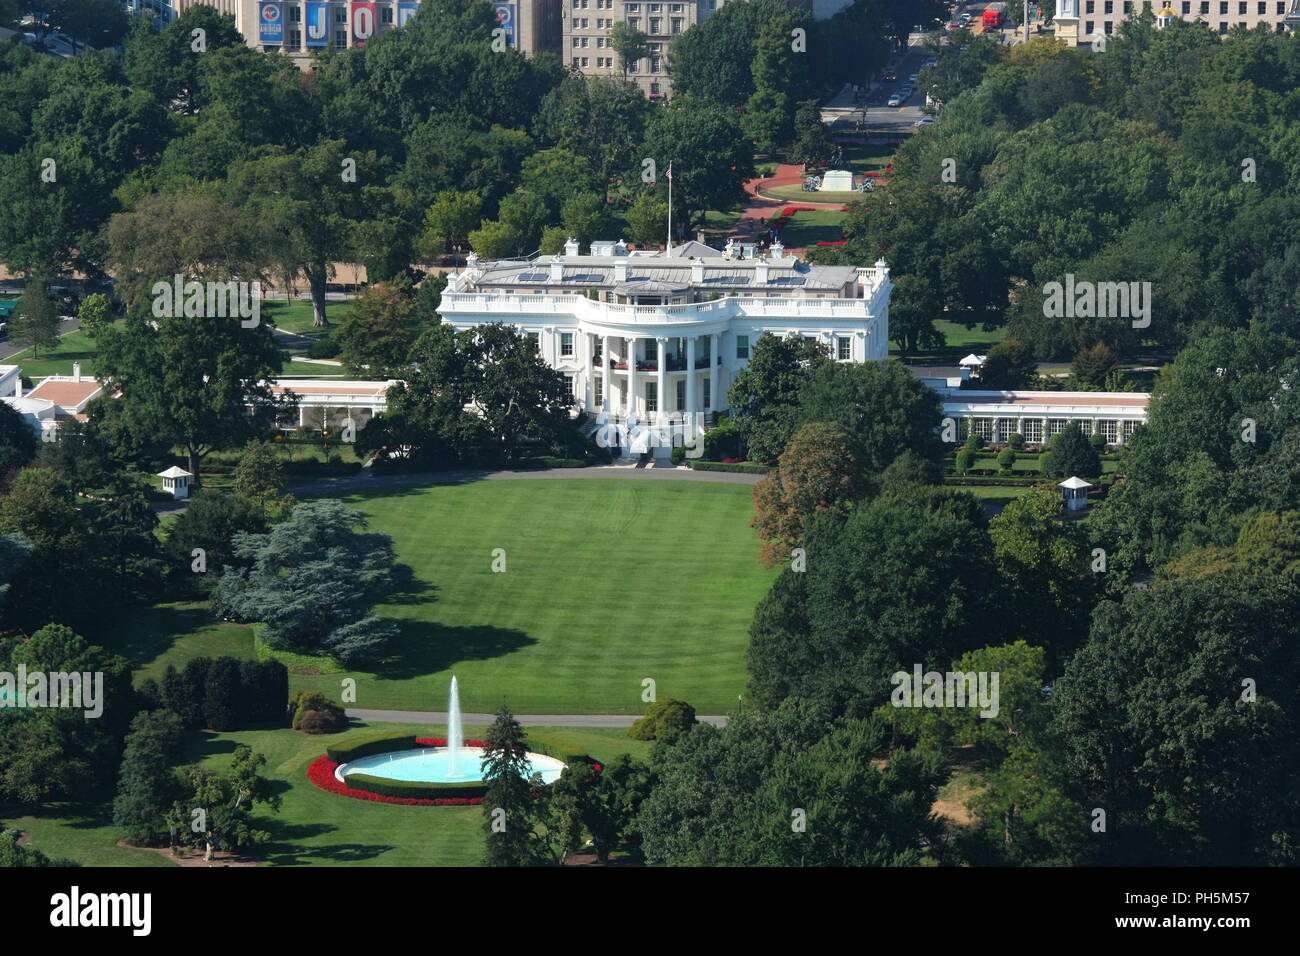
658 337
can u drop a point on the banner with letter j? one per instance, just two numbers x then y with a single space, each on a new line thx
318 24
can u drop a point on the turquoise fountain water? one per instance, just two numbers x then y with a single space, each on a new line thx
454 763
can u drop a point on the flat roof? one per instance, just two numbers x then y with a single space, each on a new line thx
1100 399
66 393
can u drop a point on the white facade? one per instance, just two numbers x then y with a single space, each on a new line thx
653 337
994 416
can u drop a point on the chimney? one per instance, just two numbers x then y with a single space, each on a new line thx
18 385
571 247
760 272
778 250
700 238
76 371
697 272
557 268
620 270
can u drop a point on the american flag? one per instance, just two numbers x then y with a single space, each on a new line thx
670 172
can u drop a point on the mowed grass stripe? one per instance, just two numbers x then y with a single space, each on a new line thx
607 582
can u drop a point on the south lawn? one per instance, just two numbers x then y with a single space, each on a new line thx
314 827
606 583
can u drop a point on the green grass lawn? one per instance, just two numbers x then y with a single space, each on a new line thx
311 370
862 159
607 582
297 316
809 228
314 827
74 347
960 342
718 225
795 193
154 637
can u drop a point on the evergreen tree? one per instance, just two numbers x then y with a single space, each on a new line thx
509 805
147 784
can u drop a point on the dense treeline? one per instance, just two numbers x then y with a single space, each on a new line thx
1169 159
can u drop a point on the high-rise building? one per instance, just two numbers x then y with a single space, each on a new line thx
1088 21
297 28
587 25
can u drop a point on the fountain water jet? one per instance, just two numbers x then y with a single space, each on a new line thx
455 738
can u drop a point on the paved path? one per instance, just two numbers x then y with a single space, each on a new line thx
528 720
9 348
367 482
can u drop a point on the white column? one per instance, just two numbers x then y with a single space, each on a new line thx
631 375
605 377
586 342
714 377
663 360
690 377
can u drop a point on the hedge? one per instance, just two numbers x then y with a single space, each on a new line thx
987 480
550 461
746 468
370 745
415 790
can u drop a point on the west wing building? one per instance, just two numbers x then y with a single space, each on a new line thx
649 336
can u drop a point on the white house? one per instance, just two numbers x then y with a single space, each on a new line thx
658 337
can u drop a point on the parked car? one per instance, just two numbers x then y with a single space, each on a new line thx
924 121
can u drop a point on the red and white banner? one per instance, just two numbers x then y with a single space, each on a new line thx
363 22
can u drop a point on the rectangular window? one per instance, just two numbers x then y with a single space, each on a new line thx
1241 8
1055 425
1108 6
1129 427
984 428
1223 28
1223 8
1087 27
654 64
708 397
584 43
340 14
843 348
584 62
681 395
566 343
1263 8
1034 431
1187 7
742 346
340 39
1205 6
652 396
576 44
654 88
598 390
386 14
295 14
1110 27
677 25
1005 427
535 338
575 63
1281 8
584 23
1087 8
654 25
676 8
634 22
1109 430
1128 7
654 8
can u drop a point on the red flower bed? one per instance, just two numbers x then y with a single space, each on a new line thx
321 773
789 211
731 461
837 242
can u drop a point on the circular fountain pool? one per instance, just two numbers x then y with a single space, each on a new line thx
439 765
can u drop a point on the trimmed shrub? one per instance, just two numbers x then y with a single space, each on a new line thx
329 721
663 719
678 454
413 790
965 459
1097 440
973 441
324 348
745 468
1006 458
1045 462
370 745
307 702
1016 441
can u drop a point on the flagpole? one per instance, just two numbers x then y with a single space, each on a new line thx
668 250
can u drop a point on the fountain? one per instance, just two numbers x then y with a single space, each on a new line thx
455 738
454 763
